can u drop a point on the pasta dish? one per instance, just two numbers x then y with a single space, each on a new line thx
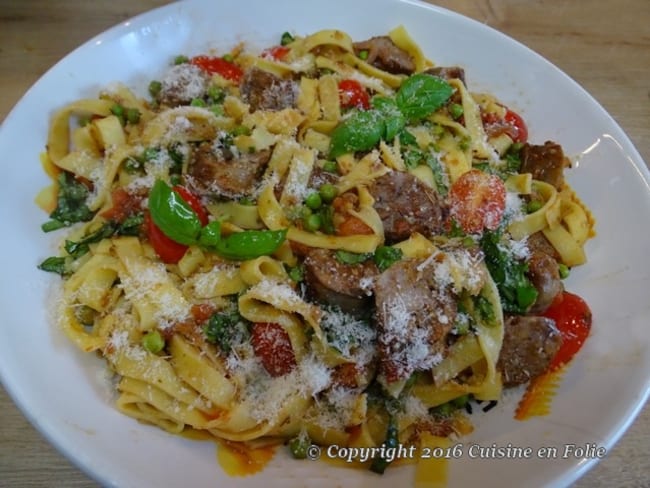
330 242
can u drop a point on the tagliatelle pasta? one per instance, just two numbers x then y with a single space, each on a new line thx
330 241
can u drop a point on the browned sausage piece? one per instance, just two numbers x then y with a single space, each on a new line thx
346 286
406 205
544 274
223 174
537 242
384 54
529 344
447 72
414 316
181 84
546 163
265 91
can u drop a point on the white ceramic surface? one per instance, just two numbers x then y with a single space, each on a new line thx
66 394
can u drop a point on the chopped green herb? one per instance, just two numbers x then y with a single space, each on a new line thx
71 202
59 265
515 289
225 328
286 38
386 256
181 59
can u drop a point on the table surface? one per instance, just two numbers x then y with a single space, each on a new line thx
604 46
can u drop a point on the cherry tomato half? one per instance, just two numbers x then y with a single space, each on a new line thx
353 94
169 251
477 201
511 124
276 53
272 345
520 131
220 66
573 319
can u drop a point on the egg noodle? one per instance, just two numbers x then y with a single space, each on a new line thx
232 337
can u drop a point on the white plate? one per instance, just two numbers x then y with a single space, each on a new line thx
65 393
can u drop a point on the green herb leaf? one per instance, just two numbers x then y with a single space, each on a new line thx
359 132
379 464
78 248
224 328
515 289
422 94
71 202
58 265
394 119
386 256
173 215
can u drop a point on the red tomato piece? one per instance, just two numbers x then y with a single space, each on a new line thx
276 53
220 66
272 345
193 202
477 201
520 130
353 94
573 319
511 124
168 250
124 205
201 312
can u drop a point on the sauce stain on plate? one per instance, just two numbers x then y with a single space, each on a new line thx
237 459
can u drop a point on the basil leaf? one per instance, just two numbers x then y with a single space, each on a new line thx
359 132
173 215
393 118
422 94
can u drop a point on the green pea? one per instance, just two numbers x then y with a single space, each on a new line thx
314 201
298 446
363 54
215 93
217 110
533 206
153 342
328 192
331 166
197 102
117 110
455 110
181 59
132 115
228 57
154 88
313 222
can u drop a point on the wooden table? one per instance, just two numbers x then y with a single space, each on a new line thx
604 46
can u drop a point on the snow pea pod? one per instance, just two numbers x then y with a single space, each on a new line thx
249 244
